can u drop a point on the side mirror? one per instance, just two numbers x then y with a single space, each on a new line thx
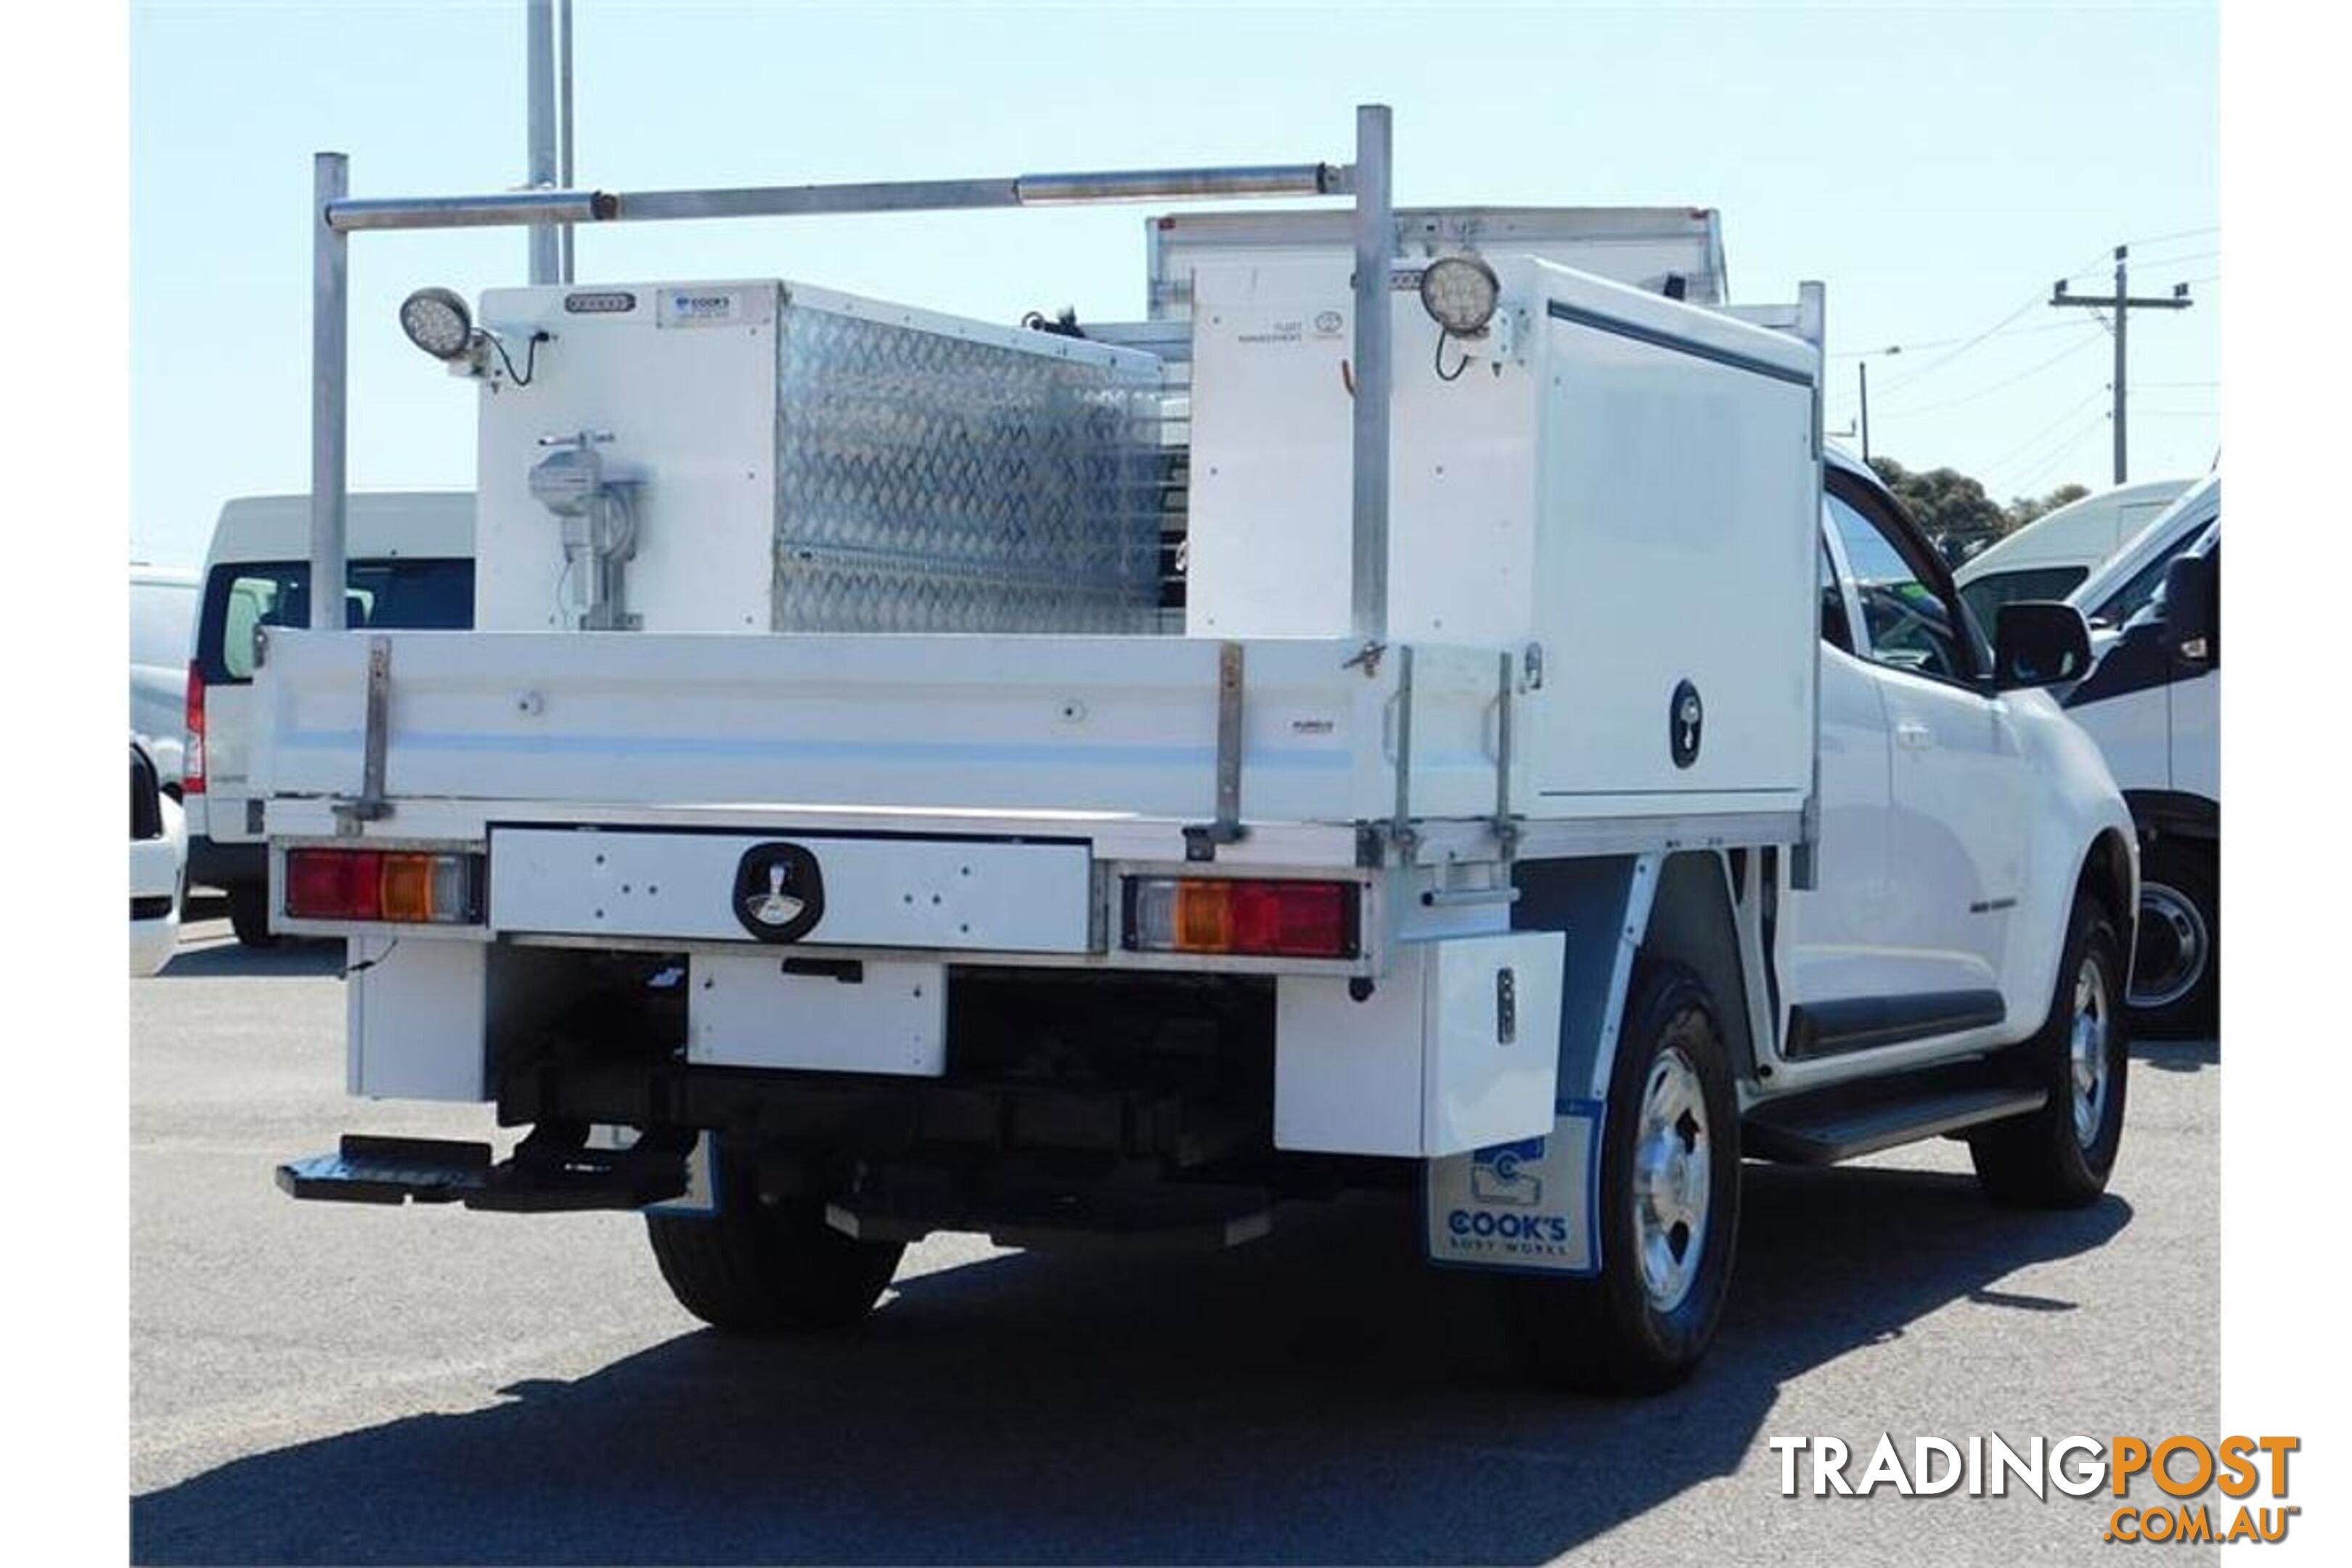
2037 643
2192 610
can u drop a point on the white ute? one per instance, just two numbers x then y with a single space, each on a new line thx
1564 779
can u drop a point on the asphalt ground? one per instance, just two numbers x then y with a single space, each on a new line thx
324 1382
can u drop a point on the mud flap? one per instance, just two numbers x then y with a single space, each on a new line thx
1527 1207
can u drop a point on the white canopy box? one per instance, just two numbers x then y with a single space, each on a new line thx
1619 489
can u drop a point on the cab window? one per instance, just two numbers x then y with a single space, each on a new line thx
1909 623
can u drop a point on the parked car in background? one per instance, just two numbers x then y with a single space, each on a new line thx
162 633
2051 556
411 561
2153 703
158 848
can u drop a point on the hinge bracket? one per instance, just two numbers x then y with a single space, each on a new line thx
370 806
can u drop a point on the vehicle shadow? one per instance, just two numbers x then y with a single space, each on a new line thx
219 960
1320 1396
2177 1055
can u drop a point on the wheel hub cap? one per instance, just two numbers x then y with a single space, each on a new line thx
2087 1051
1673 1166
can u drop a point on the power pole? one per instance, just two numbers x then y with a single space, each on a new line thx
2123 305
1864 369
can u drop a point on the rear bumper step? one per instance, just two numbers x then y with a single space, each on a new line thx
370 1170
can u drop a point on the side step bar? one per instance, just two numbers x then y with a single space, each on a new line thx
534 1180
1824 1131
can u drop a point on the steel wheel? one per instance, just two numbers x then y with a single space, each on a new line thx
2061 1155
2174 947
2086 1049
1666 1219
1673 1166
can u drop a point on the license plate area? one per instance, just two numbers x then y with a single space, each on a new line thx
950 895
764 1010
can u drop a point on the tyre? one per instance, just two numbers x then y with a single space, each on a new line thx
2061 1156
765 1269
1668 1205
249 913
2176 978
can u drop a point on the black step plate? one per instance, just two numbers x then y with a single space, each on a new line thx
1819 1136
368 1170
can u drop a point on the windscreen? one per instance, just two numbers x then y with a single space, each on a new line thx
425 594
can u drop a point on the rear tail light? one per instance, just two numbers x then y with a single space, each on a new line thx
192 759
1251 918
382 885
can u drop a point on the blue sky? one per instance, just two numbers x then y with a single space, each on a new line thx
1938 167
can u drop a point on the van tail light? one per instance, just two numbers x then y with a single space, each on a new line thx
1259 919
410 888
192 759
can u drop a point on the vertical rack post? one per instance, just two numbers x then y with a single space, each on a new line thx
539 42
1375 235
563 123
329 349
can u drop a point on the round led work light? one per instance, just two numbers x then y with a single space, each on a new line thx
1460 293
437 321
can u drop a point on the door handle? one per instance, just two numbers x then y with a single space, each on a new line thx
1914 737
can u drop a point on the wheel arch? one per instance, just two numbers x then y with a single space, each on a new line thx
2110 876
1694 920
1698 908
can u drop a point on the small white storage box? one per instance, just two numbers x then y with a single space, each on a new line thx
417 1012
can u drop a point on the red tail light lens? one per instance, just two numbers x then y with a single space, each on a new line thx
192 760
379 885
1257 919
334 884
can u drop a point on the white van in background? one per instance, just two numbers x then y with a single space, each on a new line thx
2051 556
2153 703
411 565
162 631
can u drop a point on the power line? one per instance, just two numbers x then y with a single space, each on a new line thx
2055 444
2099 267
2048 427
2077 346
2176 234
2006 326
2049 461
1943 343
1941 361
